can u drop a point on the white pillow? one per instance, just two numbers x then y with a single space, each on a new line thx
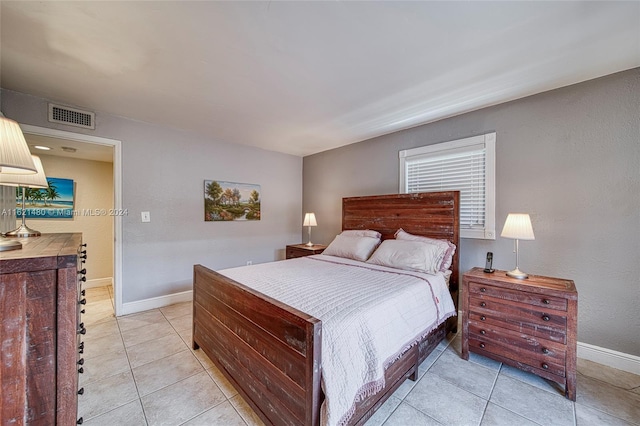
357 248
407 255
447 247
361 233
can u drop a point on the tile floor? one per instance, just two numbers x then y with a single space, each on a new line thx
140 370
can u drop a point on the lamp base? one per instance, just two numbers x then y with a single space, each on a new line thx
23 231
7 244
517 273
309 244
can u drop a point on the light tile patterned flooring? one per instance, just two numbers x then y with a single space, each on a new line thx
140 370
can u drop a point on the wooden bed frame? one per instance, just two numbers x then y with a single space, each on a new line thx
270 352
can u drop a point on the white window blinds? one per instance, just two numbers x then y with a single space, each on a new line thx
466 165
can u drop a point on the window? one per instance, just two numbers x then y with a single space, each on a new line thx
466 165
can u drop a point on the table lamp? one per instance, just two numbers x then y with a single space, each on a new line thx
14 158
310 220
38 180
518 227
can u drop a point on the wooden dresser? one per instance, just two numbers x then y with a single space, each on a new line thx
40 304
301 250
530 324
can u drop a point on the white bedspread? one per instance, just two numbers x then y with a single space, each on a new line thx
370 314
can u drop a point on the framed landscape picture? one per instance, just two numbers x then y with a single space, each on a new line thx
231 201
54 202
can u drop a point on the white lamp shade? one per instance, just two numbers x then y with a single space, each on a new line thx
14 151
518 226
34 180
310 220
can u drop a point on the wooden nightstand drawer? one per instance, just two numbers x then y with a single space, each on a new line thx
533 348
489 348
530 324
533 299
539 323
301 250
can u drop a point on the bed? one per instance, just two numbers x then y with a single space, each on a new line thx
271 352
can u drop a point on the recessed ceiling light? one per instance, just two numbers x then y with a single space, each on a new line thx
42 147
68 149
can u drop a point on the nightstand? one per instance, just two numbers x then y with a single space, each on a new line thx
301 250
529 324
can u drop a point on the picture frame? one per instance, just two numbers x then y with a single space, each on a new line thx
231 201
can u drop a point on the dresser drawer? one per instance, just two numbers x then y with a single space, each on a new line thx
550 302
532 347
538 323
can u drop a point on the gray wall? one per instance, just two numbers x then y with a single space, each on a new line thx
163 171
569 157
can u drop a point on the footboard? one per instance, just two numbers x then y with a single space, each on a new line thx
269 351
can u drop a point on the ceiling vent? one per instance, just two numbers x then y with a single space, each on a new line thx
72 117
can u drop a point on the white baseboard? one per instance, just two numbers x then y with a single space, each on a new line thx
99 282
156 302
610 358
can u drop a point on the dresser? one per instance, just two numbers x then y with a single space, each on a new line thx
529 324
40 305
301 250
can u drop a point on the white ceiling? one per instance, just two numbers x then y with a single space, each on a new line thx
304 77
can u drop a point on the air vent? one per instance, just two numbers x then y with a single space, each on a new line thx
72 116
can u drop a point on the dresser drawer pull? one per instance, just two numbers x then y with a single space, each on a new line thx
546 301
483 332
83 302
81 361
545 351
545 365
482 318
80 421
81 370
82 271
483 304
545 317
83 331
81 346
83 292
83 278
82 311
483 290
81 391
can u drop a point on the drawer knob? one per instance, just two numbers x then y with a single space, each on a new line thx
80 421
83 331
545 317
81 391
81 370
83 302
83 292
545 365
483 304
483 332
483 290
546 301
82 271
81 345
81 361
545 350
82 311
482 318
482 345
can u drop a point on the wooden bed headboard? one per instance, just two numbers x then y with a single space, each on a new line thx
430 214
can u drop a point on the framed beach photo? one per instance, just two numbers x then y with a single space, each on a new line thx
231 201
54 202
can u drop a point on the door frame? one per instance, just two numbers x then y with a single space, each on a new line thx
117 195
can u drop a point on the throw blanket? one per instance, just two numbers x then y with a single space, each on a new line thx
370 315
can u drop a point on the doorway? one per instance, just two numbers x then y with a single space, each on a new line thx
97 142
